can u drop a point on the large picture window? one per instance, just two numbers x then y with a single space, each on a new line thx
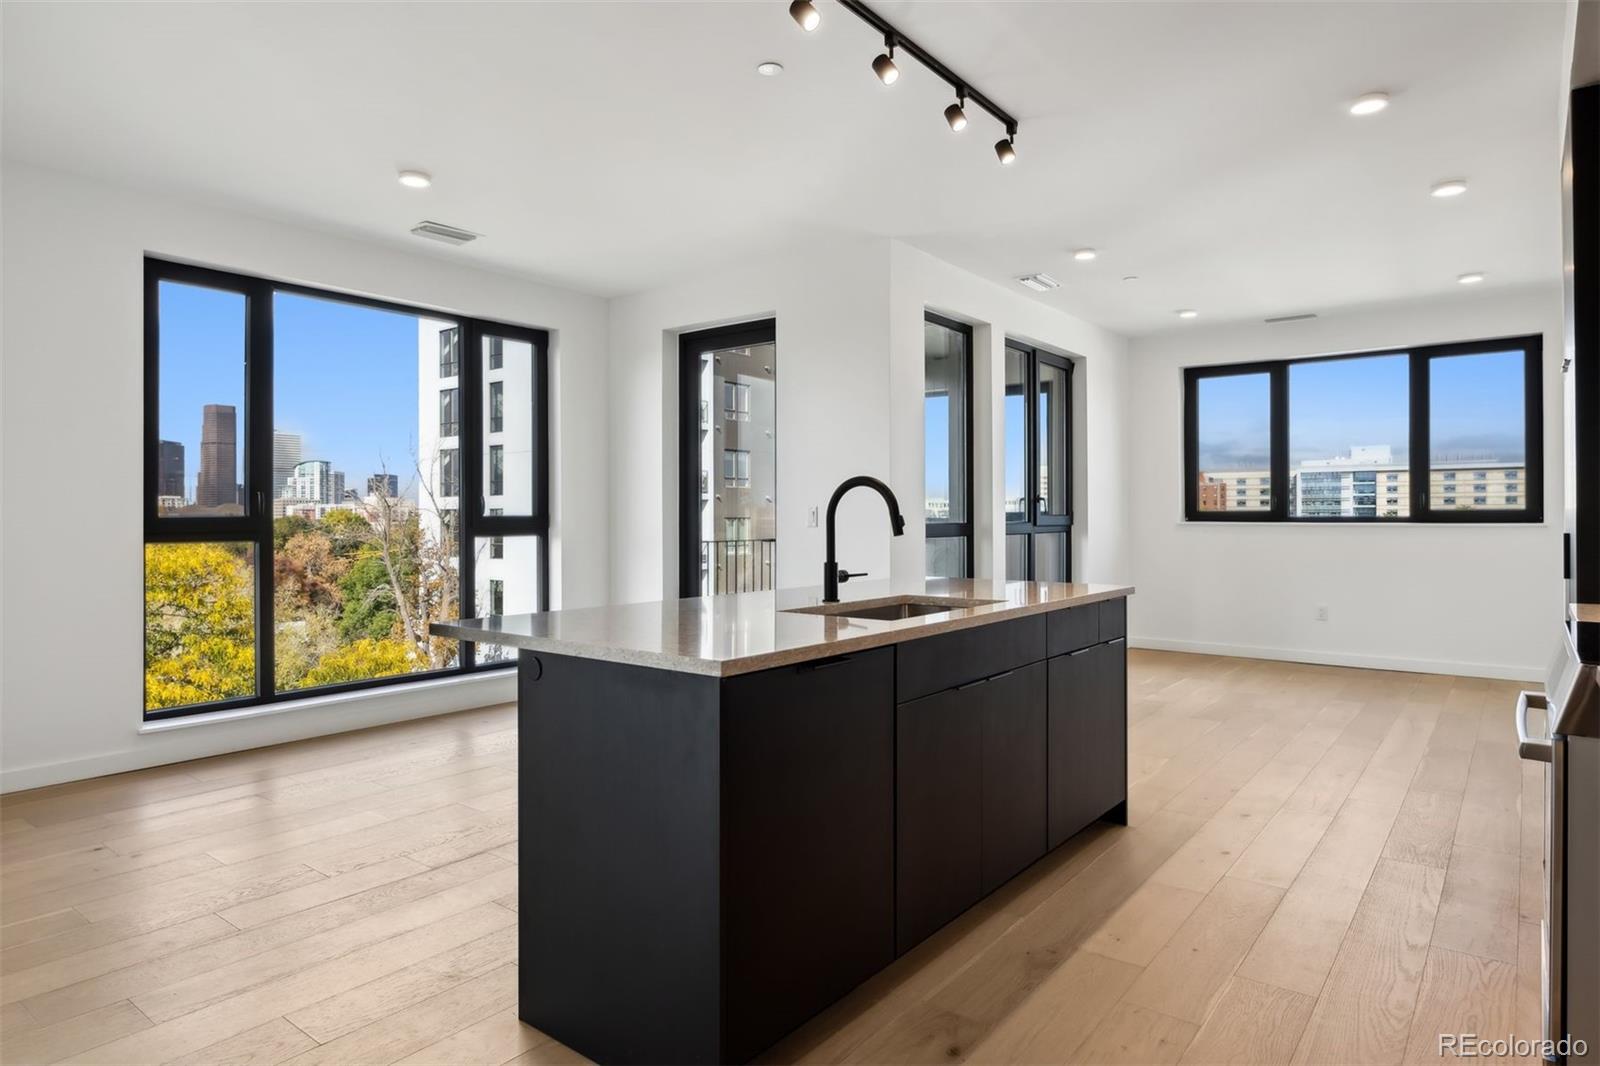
312 499
1442 433
947 446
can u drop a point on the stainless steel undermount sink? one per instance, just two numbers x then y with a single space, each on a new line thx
894 609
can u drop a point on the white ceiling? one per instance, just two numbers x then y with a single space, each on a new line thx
612 146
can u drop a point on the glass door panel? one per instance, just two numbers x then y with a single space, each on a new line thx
1054 476
1016 433
728 504
1038 465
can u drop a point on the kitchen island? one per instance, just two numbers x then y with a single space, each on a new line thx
735 809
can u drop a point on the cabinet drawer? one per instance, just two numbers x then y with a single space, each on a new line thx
1113 619
933 664
1073 628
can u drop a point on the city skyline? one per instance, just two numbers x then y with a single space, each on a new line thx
344 381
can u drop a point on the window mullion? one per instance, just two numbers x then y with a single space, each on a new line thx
1420 464
1279 430
258 475
470 503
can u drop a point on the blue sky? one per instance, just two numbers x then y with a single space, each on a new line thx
345 377
935 414
1476 410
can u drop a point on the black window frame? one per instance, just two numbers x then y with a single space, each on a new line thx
1419 459
1034 520
954 530
254 526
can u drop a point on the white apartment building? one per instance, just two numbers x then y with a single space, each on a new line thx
505 569
1370 483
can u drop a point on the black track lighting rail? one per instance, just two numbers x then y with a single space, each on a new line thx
902 43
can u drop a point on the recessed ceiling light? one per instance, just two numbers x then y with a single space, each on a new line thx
1188 313
1369 104
1039 282
804 14
1083 255
416 179
770 68
1471 278
1446 189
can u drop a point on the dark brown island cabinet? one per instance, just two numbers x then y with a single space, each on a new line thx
709 861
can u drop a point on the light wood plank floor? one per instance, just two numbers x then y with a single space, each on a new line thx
1324 865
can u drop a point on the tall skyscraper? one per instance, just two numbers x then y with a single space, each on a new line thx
169 469
285 457
383 485
217 485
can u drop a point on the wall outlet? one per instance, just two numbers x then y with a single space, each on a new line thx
811 518
1322 612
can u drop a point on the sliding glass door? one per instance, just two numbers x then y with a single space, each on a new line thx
1038 465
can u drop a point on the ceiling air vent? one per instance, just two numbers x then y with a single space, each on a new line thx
1039 282
438 231
1290 318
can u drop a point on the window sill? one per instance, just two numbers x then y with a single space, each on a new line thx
334 700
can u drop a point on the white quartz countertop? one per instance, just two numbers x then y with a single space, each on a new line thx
720 636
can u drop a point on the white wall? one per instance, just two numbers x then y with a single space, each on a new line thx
1466 599
850 385
72 417
832 308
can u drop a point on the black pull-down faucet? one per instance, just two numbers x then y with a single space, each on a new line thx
832 576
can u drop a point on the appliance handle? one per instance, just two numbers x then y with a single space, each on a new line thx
1534 749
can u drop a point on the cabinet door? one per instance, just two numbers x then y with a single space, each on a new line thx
1088 737
938 811
807 841
1014 732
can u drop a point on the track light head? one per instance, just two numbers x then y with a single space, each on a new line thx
1005 151
956 114
884 67
805 14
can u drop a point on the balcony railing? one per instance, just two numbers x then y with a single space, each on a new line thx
736 565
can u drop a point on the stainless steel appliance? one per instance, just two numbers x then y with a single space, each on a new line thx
1567 737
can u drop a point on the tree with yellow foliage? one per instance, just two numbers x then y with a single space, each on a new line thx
199 626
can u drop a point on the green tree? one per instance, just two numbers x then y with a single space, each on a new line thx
199 625
360 660
369 601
